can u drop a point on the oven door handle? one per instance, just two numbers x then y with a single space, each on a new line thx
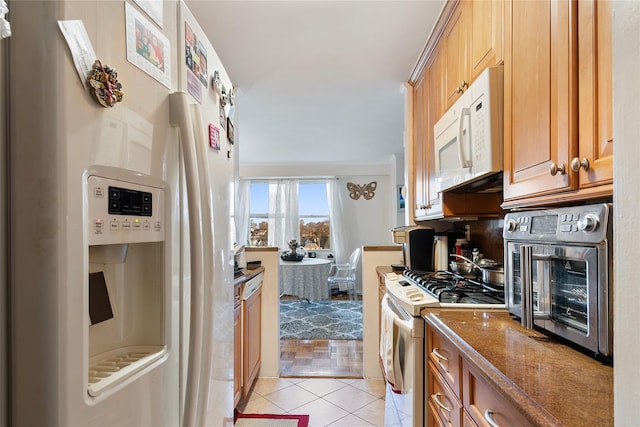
406 325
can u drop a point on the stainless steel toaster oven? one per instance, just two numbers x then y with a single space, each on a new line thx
558 273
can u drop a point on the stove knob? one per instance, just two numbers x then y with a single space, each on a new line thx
511 225
588 223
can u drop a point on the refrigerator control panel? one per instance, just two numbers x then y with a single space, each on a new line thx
123 212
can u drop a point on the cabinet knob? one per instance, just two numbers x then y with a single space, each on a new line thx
458 89
464 85
576 164
555 169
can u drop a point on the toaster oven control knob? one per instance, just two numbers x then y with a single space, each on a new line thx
588 223
512 225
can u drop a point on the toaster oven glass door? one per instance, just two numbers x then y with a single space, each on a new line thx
562 283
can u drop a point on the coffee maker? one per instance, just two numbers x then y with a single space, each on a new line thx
418 247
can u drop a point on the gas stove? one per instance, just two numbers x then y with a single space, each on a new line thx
451 288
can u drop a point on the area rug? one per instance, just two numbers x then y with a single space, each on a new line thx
320 320
271 420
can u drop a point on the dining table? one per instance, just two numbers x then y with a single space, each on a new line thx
306 279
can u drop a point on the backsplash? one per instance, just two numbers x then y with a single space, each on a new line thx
486 235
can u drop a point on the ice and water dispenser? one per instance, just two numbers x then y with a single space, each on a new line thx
128 289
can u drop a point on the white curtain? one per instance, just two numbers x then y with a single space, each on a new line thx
336 215
284 223
243 197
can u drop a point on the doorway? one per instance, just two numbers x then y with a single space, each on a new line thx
322 338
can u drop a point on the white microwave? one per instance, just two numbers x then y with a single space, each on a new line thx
468 138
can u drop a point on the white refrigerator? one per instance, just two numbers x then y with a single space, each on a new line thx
120 234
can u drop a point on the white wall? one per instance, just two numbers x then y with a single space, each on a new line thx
626 131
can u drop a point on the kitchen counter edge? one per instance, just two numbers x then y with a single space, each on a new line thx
246 275
454 323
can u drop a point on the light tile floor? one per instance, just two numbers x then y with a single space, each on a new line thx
334 402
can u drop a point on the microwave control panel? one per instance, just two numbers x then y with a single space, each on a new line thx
580 224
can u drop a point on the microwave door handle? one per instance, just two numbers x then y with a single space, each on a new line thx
464 162
526 254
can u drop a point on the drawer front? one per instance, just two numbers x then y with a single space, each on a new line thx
486 405
446 359
432 416
446 405
467 421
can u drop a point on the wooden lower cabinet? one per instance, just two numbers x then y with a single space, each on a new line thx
251 339
444 405
457 395
484 403
467 421
237 355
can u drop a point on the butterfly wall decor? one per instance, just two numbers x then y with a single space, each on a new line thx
367 191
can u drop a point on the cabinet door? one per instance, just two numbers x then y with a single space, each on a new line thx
419 147
251 330
540 90
436 104
456 39
487 34
237 357
595 85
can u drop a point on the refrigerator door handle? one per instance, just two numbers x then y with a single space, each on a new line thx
180 117
206 206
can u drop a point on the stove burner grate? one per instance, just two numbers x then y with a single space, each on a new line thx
450 287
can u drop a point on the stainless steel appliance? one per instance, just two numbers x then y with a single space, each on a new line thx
558 265
418 246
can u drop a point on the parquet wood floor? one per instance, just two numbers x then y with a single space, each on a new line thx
321 358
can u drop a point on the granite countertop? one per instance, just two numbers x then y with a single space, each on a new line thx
550 382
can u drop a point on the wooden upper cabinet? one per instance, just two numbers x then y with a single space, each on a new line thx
420 174
456 38
540 92
436 104
474 40
487 35
595 92
558 102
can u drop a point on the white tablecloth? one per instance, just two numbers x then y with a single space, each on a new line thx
305 279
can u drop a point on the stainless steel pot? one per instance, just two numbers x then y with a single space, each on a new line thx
492 272
462 267
493 275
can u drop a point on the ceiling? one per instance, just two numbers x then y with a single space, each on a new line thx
318 81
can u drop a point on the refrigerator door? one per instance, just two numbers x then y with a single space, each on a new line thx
209 384
58 135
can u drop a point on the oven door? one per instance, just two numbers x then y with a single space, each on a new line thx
402 362
555 287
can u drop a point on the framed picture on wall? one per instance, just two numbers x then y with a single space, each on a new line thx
230 135
400 198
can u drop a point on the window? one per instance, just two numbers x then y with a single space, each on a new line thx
259 213
313 214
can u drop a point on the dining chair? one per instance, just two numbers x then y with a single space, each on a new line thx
343 276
